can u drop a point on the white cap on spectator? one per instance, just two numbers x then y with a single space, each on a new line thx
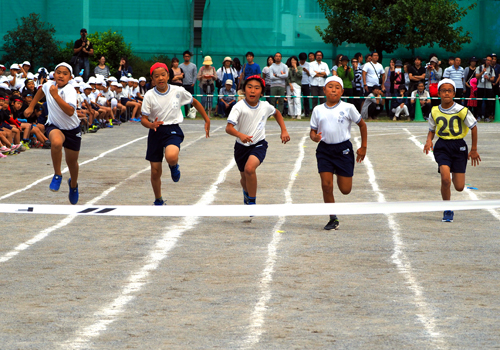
79 79
229 82
14 66
142 79
30 76
26 63
74 83
36 76
4 86
136 81
92 80
104 84
86 86
99 81
112 79
114 83
2 67
118 85
124 79
51 75
336 79
447 81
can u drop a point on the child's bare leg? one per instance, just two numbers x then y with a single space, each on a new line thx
327 186
72 162
172 154
26 130
17 135
156 171
56 138
445 182
345 184
5 140
459 181
39 135
251 176
41 127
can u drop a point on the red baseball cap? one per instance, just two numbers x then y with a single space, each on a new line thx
157 65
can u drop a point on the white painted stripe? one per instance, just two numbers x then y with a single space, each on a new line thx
255 328
139 278
471 194
425 313
67 220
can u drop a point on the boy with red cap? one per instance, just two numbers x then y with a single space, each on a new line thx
161 113
247 122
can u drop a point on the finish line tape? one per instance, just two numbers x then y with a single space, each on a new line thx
361 208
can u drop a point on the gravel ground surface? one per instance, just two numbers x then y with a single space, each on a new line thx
379 282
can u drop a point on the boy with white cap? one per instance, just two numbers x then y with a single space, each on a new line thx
453 122
63 126
331 128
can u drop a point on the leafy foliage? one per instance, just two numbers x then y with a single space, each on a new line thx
141 66
32 40
110 44
385 25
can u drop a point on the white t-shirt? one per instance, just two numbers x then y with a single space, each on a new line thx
319 68
305 77
56 114
334 123
79 101
166 106
373 75
251 120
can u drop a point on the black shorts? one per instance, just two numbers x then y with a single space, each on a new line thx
164 136
453 153
336 158
72 138
6 126
241 153
124 100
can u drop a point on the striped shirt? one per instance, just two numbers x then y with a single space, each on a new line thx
457 75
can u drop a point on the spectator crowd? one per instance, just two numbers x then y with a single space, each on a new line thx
294 88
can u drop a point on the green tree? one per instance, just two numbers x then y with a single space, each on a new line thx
385 25
112 45
32 40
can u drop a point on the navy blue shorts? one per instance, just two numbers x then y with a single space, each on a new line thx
452 153
72 138
164 136
336 158
6 126
241 153
124 100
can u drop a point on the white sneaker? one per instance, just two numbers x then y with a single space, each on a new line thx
299 117
192 113
394 118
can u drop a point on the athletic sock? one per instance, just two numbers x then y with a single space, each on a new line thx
333 217
251 200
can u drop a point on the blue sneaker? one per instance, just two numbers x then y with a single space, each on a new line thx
73 193
160 201
448 216
175 172
245 197
55 183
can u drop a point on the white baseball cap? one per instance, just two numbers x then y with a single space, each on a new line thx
92 80
14 66
112 79
142 79
229 82
51 75
26 63
124 79
79 79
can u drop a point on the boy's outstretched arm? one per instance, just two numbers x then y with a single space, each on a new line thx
428 145
284 134
361 152
230 129
473 155
199 108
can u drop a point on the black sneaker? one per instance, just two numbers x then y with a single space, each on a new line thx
333 224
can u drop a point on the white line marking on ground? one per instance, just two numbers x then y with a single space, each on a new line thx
255 328
68 219
139 278
471 194
425 313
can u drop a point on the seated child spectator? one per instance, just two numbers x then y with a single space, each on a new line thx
226 103
373 104
400 104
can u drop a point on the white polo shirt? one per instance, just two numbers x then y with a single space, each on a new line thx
166 106
374 72
334 123
251 120
314 68
56 115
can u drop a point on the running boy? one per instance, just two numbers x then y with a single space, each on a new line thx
161 113
247 122
331 127
63 126
450 152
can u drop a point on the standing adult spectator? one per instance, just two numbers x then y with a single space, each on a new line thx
102 68
485 75
266 75
469 73
357 83
206 77
416 74
433 74
81 51
406 69
456 73
373 74
311 56
359 58
387 85
175 73
319 71
397 78
124 70
190 74
238 67
226 72
336 64
250 68
496 67
305 83
279 73
368 58
346 73
294 87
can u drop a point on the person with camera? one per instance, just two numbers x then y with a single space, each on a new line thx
82 50
346 73
124 70
485 75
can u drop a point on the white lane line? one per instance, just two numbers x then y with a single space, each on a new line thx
66 169
471 194
68 219
255 328
139 278
425 313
